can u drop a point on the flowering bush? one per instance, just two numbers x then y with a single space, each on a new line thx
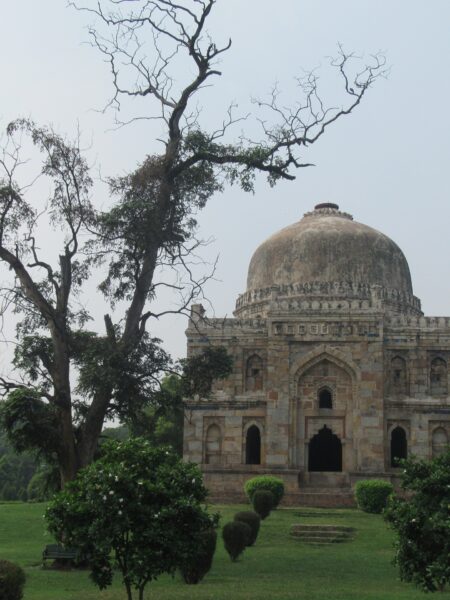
422 523
137 507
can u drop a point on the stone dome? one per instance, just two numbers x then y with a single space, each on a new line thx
328 245
327 253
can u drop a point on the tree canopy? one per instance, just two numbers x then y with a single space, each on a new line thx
76 375
138 507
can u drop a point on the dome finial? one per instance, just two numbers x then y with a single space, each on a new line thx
326 205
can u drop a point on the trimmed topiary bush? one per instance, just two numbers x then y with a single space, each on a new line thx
12 580
372 495
235 536
200 562
267 483
262 501
253 520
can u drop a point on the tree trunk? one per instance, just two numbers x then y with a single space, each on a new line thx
129 592
68 458
67 454
92 428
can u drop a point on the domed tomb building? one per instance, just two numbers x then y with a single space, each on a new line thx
337 374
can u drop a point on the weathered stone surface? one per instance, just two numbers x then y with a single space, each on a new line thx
327 246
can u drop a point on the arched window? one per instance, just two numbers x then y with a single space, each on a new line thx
439 442
438 377
399 445
254 374
325 398
213 443
253 446
398 375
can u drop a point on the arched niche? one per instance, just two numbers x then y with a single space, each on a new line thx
438 377
439 442
253 446
399 445
317 387
213 445
254 374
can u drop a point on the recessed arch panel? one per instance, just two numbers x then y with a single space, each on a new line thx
438 377
254 374
439 441
213 445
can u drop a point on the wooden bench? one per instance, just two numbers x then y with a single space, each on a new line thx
59 553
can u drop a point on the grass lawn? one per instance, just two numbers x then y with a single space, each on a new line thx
276 568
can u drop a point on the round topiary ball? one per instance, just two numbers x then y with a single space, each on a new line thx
263 502
200 562
253 520
12 580
269 483
235 536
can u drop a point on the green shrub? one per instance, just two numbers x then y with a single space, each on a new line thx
421 522
12 580
263 503
372 495
253 520
200 561
267 483
235 536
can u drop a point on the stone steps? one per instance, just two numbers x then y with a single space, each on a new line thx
322 534
315 496
337 529
321 498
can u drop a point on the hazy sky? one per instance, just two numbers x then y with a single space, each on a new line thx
387 164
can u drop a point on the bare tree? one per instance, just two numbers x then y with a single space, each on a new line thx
151 222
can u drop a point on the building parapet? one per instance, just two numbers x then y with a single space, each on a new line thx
337 295
200 323
422 323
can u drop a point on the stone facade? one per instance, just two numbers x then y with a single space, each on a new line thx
334 378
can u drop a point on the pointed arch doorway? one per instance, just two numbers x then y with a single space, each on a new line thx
325 451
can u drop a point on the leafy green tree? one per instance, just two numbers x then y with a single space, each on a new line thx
162 421
44 483
149 229
137 507
16 471
421 519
